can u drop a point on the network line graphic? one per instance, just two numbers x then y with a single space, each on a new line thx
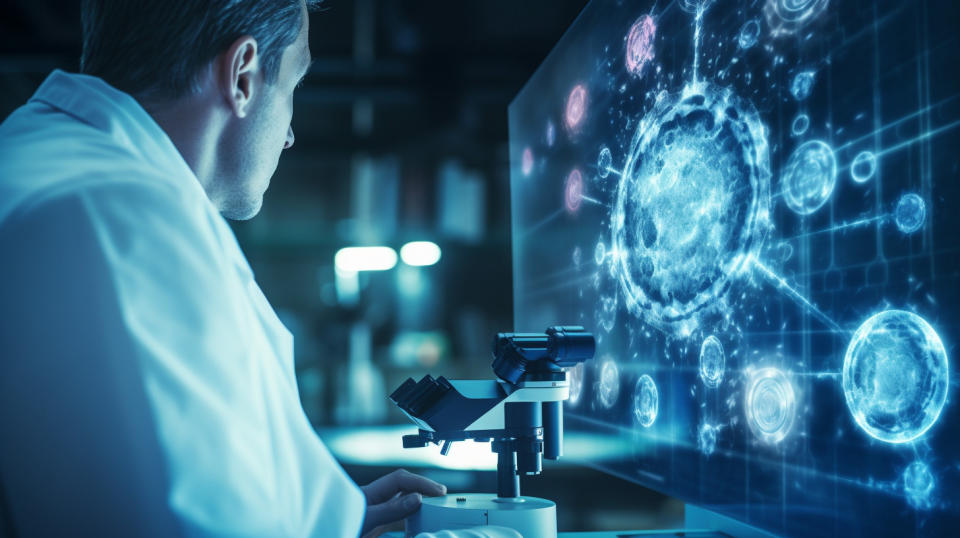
753 225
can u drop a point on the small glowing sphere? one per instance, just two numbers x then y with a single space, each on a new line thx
640 44
604 160
802 85
694 6
712 361
646 401
608 387
895 376
863 167
749 33
786 17
608 312
770 405
526 161
691 204
809 177
576 107
575 379
599 253
550 133
910 213
918 484
577 256
800 124
573 191
707 438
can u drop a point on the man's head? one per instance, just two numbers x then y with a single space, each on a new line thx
218 75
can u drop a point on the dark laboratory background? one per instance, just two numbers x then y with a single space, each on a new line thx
401 135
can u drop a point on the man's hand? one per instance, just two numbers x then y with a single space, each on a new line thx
394 497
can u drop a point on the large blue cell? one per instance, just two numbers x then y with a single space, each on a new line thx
692 203
809 177
895 376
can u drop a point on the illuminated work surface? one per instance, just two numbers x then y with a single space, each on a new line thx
383 446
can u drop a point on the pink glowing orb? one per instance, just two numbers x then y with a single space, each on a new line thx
576 107
640 44
573 194
526 161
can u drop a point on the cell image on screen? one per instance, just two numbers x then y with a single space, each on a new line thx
753 206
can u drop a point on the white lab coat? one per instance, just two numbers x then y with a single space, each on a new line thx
146 385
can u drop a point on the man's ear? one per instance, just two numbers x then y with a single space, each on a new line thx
238 74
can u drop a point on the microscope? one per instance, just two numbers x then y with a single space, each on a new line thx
520 415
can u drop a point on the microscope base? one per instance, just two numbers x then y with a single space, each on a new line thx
530 516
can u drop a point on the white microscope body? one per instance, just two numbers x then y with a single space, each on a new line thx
520 414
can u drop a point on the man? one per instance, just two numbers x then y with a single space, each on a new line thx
146 386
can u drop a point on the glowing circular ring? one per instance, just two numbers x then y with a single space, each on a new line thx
646 401
771 405
910 213
576 107
895 376
749 34
809 177
863 167
800 124
712 361
608 386
691 205
785 17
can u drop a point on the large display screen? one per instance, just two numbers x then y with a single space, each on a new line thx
751 204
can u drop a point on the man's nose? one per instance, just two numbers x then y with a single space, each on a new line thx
289 138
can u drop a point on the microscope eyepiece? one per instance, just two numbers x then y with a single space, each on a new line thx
515 354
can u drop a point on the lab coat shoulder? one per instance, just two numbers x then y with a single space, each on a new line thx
46 153
230 435
172 300
119 273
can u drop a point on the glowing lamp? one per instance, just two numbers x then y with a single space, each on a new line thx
420 253
365 259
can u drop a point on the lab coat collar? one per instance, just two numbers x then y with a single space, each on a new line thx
107 109
94 102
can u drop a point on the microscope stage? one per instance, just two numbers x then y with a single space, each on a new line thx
530 516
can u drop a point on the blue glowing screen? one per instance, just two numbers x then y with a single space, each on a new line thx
751 204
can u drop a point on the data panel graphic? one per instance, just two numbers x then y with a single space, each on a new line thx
751 203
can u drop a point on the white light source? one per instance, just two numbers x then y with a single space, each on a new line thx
365 259
420 253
